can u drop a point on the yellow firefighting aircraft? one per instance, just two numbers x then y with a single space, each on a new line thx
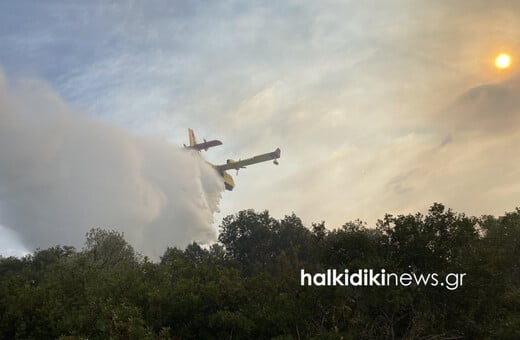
230 164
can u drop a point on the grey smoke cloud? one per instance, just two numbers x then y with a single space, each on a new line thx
465 157
490 109
62 173
470 161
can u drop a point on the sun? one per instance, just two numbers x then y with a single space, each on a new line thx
503 61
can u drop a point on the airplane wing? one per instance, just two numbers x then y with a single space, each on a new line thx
231 164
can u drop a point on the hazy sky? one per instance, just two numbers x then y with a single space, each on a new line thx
378 106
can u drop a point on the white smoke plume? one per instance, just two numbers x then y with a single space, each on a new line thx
62 173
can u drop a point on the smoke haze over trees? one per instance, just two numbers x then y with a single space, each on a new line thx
62 173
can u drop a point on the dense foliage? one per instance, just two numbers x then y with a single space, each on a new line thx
248 285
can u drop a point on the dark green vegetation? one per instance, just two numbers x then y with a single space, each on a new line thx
248 286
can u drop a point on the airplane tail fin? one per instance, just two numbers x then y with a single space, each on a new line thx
191 134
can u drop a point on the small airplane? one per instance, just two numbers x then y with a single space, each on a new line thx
231 164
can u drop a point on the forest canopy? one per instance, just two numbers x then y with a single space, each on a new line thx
247 285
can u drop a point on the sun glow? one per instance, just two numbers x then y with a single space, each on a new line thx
503 61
